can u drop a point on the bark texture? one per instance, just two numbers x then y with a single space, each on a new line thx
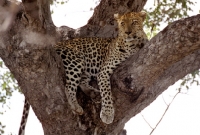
26 48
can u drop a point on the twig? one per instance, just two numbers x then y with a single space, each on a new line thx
164 113
146 121
164 100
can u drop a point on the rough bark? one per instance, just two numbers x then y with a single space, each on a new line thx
26 48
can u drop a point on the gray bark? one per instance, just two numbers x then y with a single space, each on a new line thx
26 48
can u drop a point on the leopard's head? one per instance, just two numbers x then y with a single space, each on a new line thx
130 26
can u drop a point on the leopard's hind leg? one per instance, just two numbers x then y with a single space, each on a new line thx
73 70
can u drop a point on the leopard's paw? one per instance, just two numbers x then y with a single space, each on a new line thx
76 108
107 114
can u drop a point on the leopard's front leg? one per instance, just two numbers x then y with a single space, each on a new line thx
107 108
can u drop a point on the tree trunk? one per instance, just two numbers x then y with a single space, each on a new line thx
26 47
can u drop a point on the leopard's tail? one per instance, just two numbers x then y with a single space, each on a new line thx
24 118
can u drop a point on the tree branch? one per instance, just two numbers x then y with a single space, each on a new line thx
168 57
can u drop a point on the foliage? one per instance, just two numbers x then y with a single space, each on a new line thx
1 128
57 2
167 11
54 2
188 80
7 85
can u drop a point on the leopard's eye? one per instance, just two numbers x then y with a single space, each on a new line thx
134 22
122 23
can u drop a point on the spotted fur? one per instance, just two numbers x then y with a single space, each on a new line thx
24 118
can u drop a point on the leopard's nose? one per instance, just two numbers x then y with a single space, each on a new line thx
128 32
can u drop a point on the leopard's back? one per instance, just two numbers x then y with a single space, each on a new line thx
92 50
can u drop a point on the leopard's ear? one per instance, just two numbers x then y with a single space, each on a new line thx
142 14
117 16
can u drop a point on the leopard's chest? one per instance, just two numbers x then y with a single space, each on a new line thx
94 58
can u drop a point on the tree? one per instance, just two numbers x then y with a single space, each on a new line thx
26 49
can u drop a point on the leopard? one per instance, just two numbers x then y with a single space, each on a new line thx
87 57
